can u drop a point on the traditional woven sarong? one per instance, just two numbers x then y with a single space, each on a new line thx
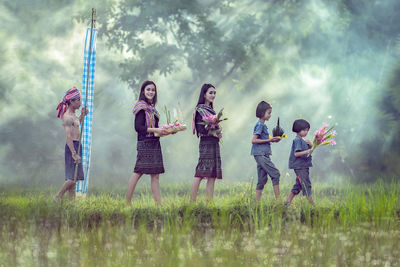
70 165
149 157
209 164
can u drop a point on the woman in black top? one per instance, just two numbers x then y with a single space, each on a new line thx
209 164
149 157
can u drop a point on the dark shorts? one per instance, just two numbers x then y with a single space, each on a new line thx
265 167
303 182
209 165
70 164
149 157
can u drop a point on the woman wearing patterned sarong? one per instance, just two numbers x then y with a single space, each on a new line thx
209 164
149 156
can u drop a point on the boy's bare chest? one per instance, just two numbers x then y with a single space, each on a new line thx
72 121
75 122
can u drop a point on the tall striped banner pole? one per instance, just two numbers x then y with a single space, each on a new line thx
87 94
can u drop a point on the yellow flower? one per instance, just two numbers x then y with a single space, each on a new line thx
284 136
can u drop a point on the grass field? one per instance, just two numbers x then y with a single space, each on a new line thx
350 225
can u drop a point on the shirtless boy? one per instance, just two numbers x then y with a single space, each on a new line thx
66 111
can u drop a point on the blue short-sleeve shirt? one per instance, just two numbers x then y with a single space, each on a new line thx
262 131
304 161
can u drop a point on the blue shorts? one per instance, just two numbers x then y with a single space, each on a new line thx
265 167
303 182
70 165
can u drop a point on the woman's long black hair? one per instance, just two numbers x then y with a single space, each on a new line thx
143 97
203 91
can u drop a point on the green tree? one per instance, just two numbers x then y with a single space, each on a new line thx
212 39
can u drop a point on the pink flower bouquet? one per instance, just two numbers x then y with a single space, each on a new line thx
324 137
172 127
212 122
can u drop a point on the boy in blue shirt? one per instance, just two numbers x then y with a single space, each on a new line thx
300 160
261 150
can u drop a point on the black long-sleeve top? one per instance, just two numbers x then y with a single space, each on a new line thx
141 127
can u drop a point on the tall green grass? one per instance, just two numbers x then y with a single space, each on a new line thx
349 225
233 207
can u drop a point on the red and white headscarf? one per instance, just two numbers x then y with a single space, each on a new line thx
70 95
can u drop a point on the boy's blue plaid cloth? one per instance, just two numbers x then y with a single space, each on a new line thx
81 186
